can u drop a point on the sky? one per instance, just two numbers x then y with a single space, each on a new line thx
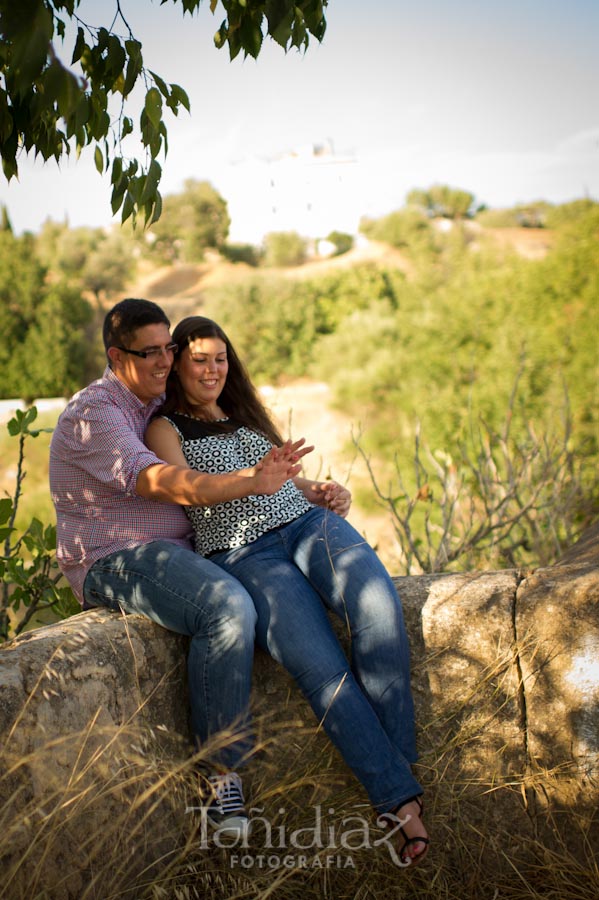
498 98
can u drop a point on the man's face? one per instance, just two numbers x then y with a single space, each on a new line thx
146 378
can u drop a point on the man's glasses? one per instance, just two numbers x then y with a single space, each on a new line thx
154 353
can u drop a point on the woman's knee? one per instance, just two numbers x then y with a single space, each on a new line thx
240 607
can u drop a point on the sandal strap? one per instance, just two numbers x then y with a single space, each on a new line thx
412 840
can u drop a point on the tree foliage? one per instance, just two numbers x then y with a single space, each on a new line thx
45 345
87 259
192 221
448 340
442 200
66 83
284 248
404 228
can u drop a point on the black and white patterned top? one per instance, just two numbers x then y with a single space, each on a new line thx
223 446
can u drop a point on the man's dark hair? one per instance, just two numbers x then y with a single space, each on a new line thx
126 317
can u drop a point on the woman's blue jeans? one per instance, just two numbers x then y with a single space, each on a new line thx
190 595
294 574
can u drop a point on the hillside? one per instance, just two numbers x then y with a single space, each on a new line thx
179 288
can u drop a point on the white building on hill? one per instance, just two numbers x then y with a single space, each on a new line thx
310 190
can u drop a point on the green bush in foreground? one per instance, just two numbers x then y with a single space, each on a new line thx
28 568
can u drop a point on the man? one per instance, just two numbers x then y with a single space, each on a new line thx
123 539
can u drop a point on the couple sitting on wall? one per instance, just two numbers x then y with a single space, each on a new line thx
177 498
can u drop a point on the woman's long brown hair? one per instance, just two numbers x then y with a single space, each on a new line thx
239 398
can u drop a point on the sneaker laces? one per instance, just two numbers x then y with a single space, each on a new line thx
228 793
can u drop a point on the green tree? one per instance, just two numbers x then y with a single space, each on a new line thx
51 361
21 287
44 347
108 266
343 242
48 105
442 200
406 229
89 259
191 222
284 248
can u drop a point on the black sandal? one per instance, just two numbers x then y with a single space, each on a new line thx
411 860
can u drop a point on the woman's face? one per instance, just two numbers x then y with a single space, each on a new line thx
202 369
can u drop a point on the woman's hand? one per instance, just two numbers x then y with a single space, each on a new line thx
278 466
335 497
329 494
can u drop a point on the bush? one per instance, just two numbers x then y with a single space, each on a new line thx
495 500
406 229
284 248
342 242
242 253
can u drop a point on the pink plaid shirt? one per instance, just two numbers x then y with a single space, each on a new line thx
96 454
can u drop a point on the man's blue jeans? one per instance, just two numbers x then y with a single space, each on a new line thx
190 595
292 574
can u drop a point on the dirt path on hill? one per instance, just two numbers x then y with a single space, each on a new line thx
303 409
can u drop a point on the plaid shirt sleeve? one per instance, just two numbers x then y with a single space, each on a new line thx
101 442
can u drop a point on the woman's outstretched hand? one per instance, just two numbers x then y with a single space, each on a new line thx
278 466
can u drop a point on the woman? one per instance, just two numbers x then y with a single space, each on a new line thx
298 557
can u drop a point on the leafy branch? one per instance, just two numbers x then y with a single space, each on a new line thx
28 568
45 107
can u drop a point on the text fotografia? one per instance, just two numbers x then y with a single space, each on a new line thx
330 843
289 861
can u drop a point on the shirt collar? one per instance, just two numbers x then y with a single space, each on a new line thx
118 387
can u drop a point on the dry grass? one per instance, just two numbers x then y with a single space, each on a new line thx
111 822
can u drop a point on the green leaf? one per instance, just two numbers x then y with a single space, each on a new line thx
6 120
127 127
99 160
103 38
16 424
220 38
153 106
151 183
134 66
30 49
5 510
164 134
280 19
118 193
157 208
160 84
117 170
180 95
115 60
251 36
128 207
79 46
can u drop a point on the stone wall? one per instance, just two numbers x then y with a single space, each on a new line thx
506 685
